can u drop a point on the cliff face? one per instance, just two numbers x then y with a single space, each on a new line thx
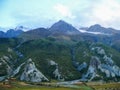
31 73
55 72
101 67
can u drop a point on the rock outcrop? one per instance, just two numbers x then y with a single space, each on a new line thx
7 64
16 71
56 71
93 66
82 66
31 73
101 65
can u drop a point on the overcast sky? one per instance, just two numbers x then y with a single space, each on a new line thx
43 13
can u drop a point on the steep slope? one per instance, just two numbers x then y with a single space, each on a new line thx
96 61
62 27
31 73
103 30
10 33
59 30
61 53
35 34
2 34
85 60
46 50
8 57
13 33
107 36
46 59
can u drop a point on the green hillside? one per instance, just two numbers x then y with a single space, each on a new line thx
44 50
71 58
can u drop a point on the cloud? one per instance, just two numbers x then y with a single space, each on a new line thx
104 12
76 12
64 11
107 10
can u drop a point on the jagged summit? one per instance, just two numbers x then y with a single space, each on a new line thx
96 25
13 33
63 27
100 29
61 21
36 33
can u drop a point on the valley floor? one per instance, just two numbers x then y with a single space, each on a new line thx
105 86
16 85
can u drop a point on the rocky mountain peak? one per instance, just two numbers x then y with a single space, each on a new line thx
96 25
61 21
96 28
63 27
100 29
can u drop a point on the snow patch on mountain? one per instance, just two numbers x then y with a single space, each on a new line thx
96 33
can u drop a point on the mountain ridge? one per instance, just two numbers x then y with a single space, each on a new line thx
46 54
99 28
63 28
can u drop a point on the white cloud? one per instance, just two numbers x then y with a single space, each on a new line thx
105 12
76 12
64 11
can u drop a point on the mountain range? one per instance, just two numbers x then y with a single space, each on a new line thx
60 53
11 33
98 28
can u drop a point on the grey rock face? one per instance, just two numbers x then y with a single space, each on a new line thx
82 66
94 63
62 27
110 71
103 64
16 71
2 78
108 60
31 73
53 62
56 72
99 50
6 61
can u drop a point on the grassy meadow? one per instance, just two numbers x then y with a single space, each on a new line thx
17 85
25 86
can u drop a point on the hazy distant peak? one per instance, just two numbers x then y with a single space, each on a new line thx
61 21
22 28
96 25
100 29
63 28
